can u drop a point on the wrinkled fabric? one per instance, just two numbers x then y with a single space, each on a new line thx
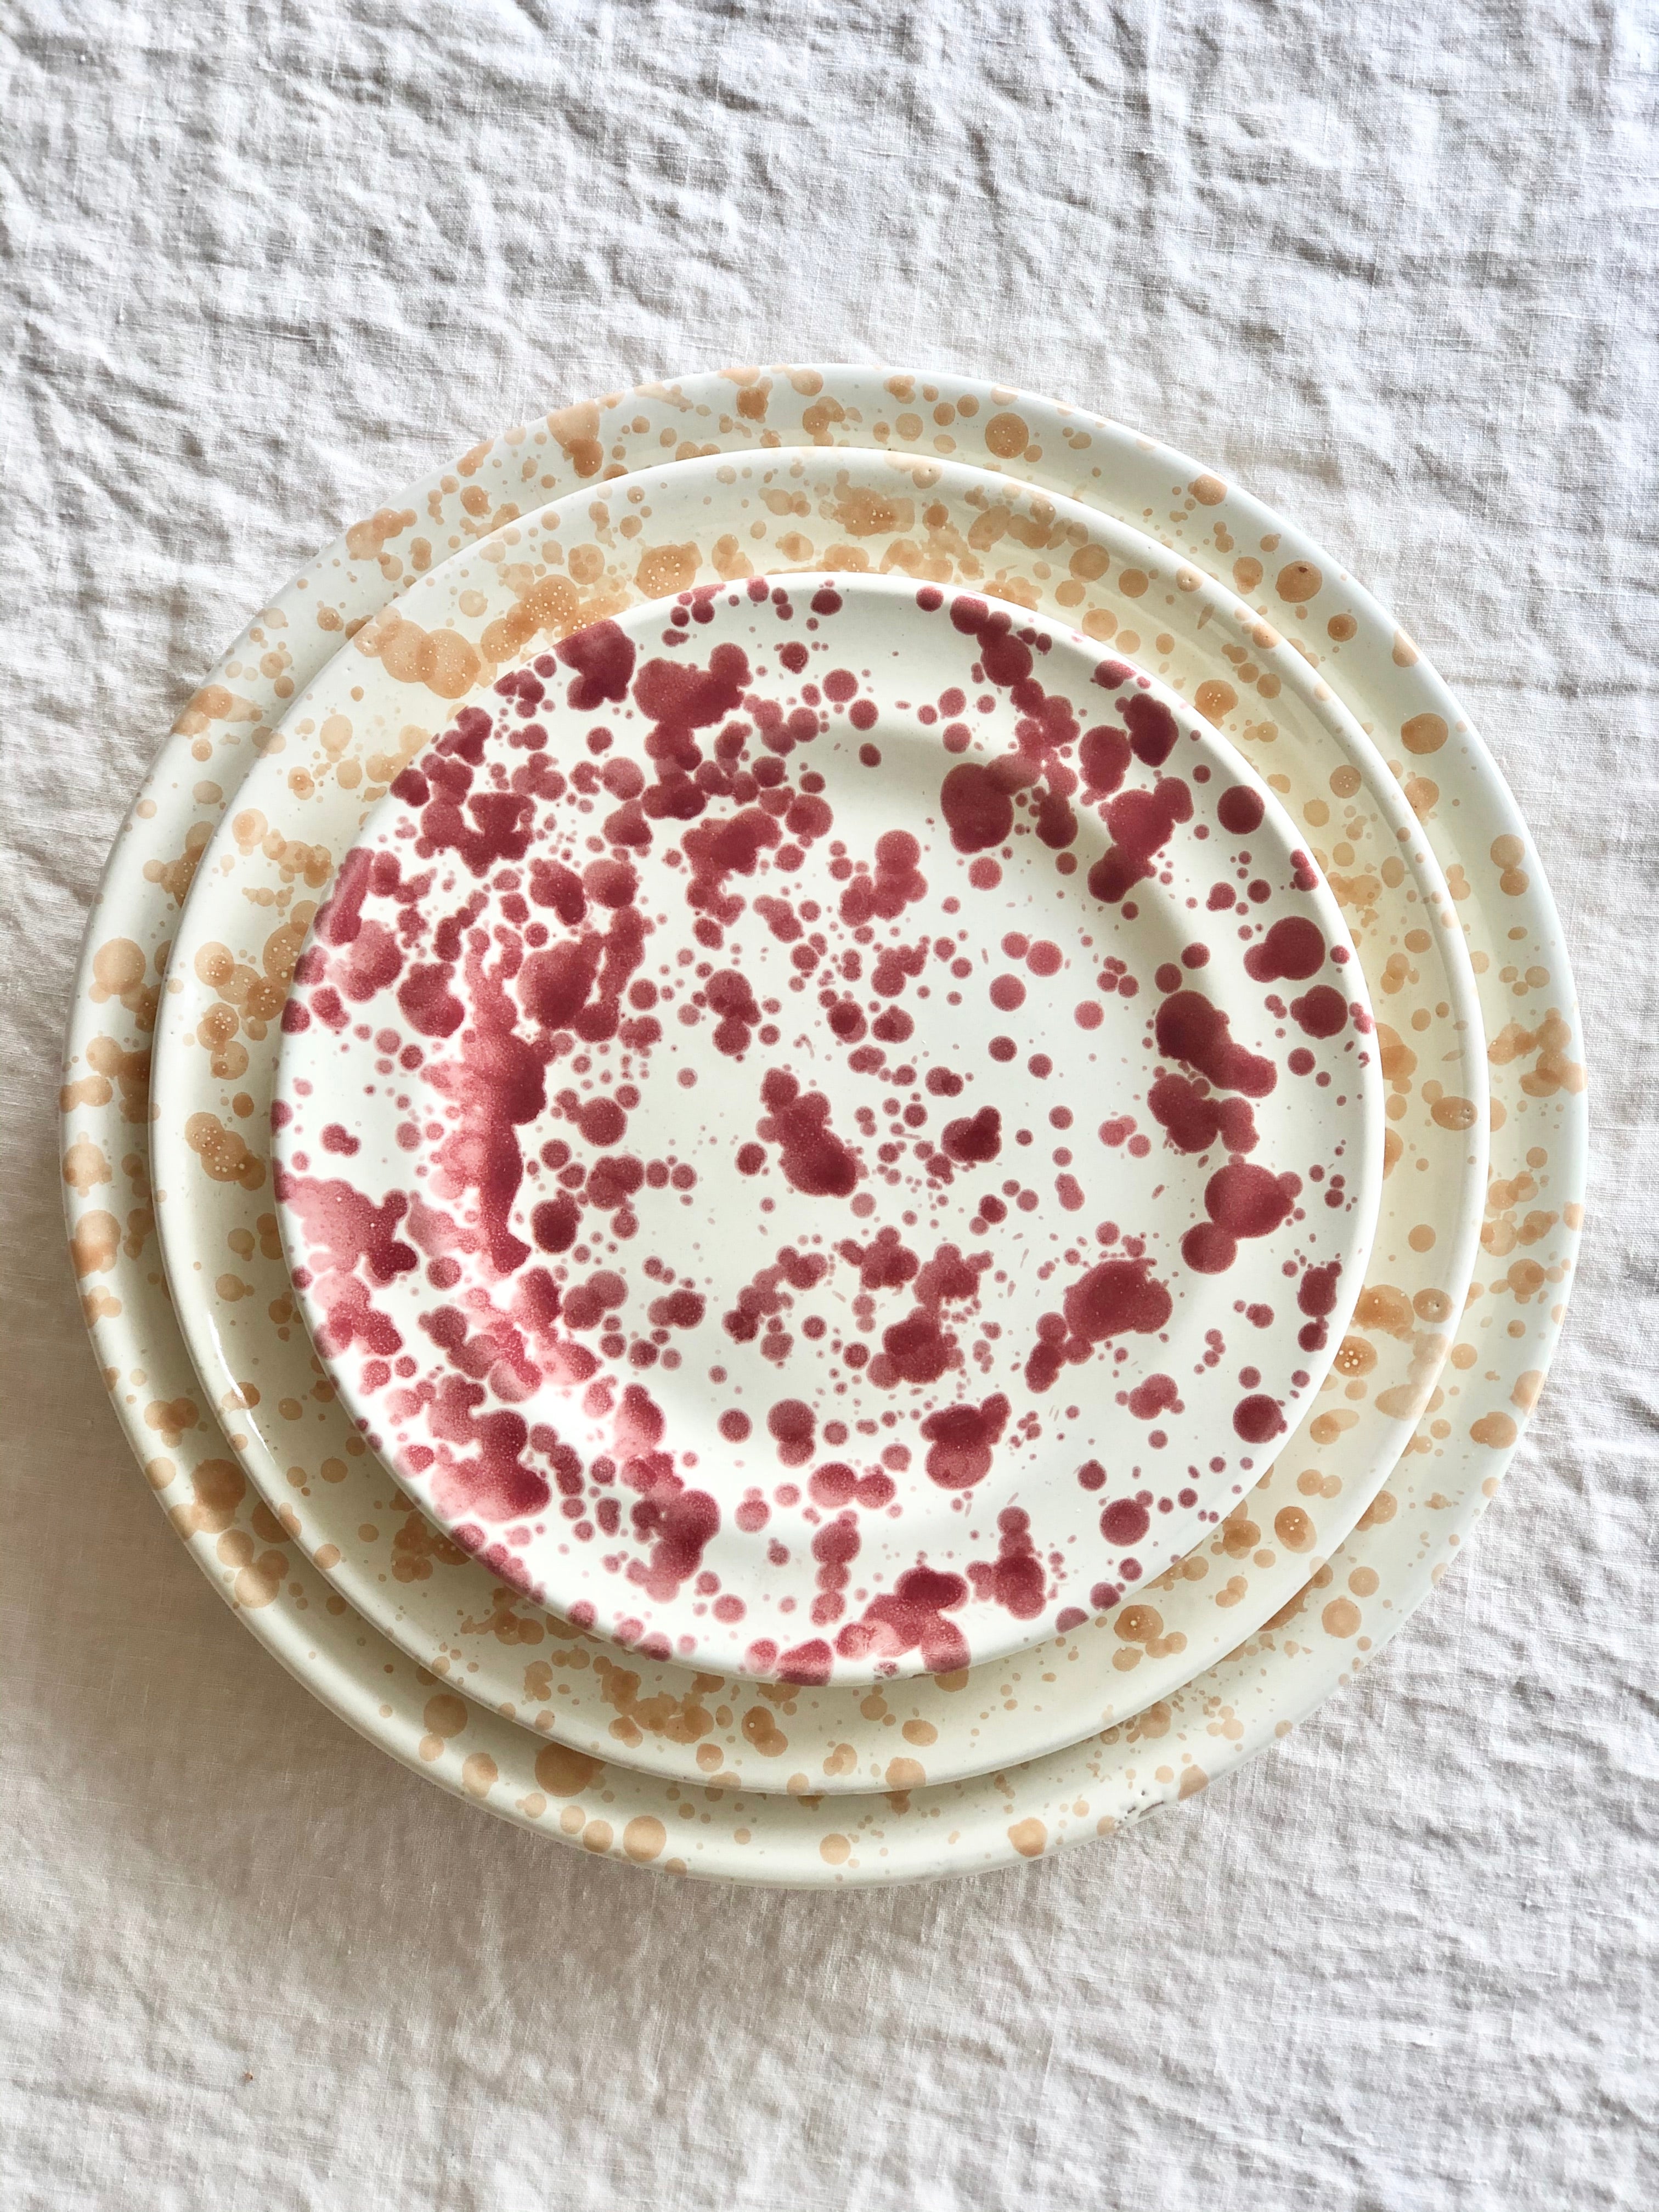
1393 269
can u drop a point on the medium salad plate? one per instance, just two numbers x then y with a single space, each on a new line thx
346 734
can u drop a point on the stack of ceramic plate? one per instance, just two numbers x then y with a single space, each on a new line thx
823 1126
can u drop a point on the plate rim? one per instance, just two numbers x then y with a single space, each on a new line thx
1252 1612
1501 809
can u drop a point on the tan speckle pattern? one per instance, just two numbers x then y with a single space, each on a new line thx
1405 1534
953 521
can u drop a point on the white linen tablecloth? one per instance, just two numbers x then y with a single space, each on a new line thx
1394 268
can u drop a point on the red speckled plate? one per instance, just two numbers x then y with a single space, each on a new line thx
750 1039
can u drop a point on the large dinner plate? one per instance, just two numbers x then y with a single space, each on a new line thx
1354 1601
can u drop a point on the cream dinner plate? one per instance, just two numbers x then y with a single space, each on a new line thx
1353 1601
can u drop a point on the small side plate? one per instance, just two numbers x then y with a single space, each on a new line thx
721 1128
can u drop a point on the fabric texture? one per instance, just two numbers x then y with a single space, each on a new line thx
1393 269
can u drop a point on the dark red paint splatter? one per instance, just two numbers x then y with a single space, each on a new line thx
1239 809
603 658
815 1160
1157 1394
497 1485
1125 1521
1194 1119
1190 1027
911 1617
976 1138
1141 824
1293 949
1152 728
1117 1297
1258 1418
792 1426
961 1440
1320 1012
1247 1200
1104 756
977 808
1014 1579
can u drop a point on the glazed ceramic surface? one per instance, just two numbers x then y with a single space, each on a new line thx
665 1146
1352 1602
348 732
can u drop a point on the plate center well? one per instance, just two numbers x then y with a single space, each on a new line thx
804 1082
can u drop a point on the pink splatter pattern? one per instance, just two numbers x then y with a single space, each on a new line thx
769 1109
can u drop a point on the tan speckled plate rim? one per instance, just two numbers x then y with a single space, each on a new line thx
1500 1431
487 1675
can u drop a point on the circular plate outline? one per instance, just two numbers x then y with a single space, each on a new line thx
1315 1104
1540 1085
661 1715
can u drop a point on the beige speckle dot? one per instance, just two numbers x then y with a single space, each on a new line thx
1423 734
562 1771
1007 437
643 1838
1215 699
1298 581
260 1580
85 1166
1294 1529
